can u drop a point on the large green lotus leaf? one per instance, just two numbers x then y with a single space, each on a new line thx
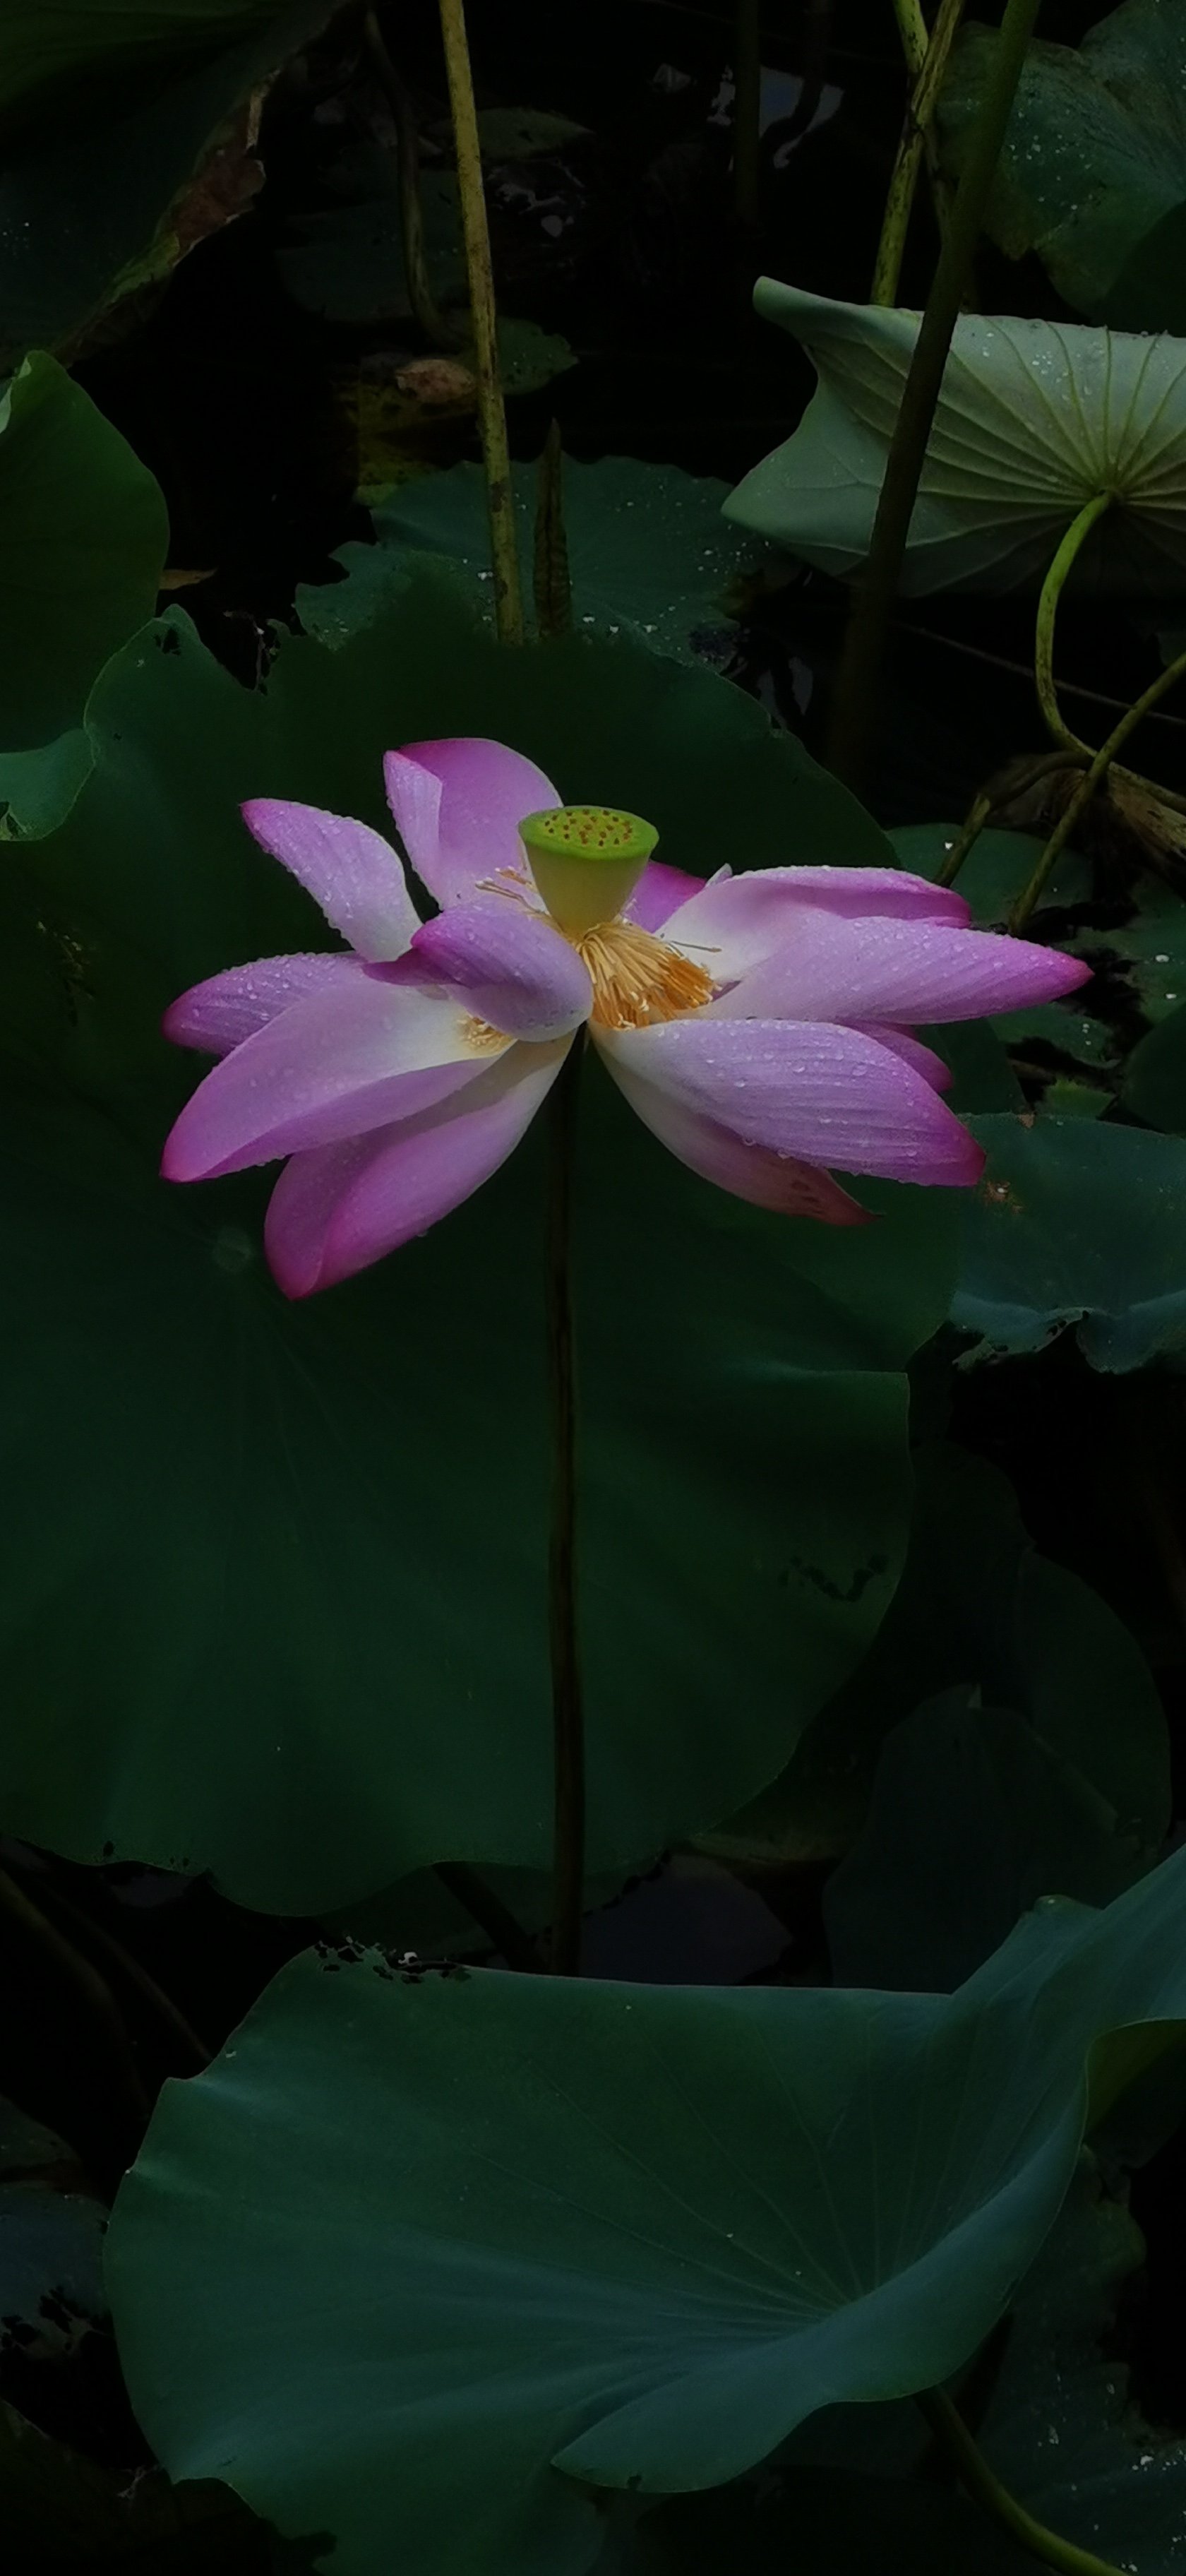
974 1816
110 169
1094 160
422 2255
1060 2428
647 553
1078 1223
83 533
275 1603
1034 417
977 1607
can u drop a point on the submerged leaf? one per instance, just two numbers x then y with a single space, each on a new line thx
1033 419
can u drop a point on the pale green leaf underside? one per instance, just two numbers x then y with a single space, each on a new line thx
1034 418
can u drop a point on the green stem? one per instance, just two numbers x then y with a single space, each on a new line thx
990 800
411 214
1052 589
913 30
1096 769
502 1928
981 2482
568 1887
916 136
747 111
492 419
864 645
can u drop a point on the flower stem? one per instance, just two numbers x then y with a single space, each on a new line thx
1100 762
855 696
492 419
981 2482
915 140
568 1729
1052 589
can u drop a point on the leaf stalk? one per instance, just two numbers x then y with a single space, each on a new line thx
985 2488
1094 773
492 419
917 139
864 644
568 1726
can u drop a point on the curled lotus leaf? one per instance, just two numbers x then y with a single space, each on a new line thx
1033 419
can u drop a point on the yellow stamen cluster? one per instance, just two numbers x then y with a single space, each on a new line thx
479 1034
637 980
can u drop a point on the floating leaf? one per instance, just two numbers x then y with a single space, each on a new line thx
1092 173
1033 419
368 1672
344 2269
647 553
1076 1222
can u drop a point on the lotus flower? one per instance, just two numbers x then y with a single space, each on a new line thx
757 1023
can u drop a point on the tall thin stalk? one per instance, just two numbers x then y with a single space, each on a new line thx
568 1725
915 141
492 419
857 680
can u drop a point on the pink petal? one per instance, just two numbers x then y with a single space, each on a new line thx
352 872
332 1066
829 1095
659 892
827 968
334 1212
753 1172
227 1008
737 921
912 1051
458 806
514 968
